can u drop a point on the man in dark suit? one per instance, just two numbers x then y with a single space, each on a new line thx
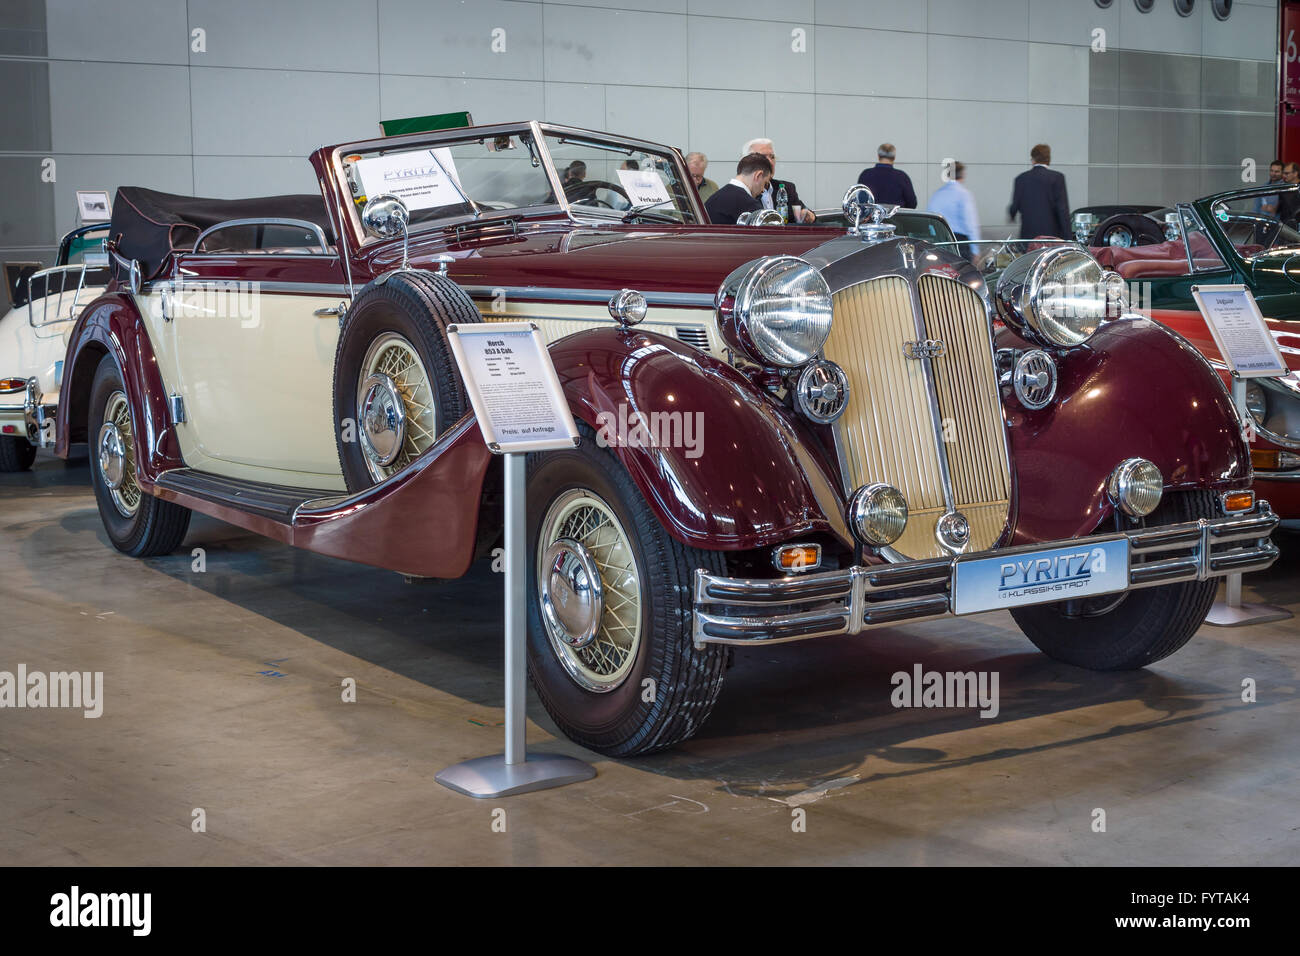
796 211
890 186
741 194
1040 199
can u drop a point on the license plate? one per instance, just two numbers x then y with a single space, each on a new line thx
1017 578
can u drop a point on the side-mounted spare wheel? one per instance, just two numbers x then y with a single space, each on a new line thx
396 385
137 523
1113 632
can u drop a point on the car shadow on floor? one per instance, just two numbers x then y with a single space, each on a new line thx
789 715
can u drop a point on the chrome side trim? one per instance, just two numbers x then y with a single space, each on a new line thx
330 289
792 608
701 300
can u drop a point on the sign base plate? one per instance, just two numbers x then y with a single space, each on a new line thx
492 777
1223 614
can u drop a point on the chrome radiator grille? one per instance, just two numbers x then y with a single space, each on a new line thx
889 432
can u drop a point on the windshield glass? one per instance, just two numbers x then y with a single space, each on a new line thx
1249 229
613 179
468 178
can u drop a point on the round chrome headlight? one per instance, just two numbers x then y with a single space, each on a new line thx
1136 486
1058 295
776 310
877 514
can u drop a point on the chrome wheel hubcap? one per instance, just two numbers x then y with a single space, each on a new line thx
589 588
115 450
382 415
573 598
397 413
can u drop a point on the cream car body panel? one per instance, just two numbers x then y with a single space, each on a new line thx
262 418
556 320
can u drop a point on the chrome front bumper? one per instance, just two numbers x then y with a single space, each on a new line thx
773 611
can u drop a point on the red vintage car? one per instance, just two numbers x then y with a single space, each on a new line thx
787 433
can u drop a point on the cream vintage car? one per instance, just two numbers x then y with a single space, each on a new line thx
34 337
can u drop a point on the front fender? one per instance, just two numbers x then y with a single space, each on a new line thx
1135 390
112 325
720 464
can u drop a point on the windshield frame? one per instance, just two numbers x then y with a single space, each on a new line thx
468 134
1204 213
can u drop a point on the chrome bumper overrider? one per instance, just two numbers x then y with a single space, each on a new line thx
772 611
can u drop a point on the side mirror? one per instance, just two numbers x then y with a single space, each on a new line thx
386 216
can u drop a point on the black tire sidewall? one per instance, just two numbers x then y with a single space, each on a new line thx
616 721
16 453
124 532
394 306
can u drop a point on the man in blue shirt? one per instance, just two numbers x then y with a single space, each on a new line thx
955 203
887 184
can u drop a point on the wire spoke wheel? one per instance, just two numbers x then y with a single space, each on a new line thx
582 516
392 355
126 493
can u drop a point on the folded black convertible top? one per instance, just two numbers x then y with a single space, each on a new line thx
148 225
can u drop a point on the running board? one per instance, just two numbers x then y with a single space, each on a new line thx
276 502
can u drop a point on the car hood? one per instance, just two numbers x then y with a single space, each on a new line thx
680 259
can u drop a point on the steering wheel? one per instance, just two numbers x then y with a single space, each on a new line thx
1127 229
584 193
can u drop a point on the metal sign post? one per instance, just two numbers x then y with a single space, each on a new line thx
1249 351
521 407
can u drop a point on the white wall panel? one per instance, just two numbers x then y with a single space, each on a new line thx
281 113
490 101
870 62
614 46
456 38
287 34
978 69
878 14
750 55
998 19
139 31
119 107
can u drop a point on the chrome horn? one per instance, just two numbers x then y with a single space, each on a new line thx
760 217
386 216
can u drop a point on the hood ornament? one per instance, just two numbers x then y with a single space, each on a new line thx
860 204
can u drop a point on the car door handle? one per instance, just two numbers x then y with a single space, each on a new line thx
341 310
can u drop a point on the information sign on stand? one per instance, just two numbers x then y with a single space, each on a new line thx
1249 351
521 408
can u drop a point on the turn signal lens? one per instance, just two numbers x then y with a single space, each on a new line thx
793 558
12 384
1266 460
1236 501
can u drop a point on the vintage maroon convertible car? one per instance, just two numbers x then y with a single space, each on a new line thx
788 433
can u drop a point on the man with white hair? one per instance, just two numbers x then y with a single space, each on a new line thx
696 164
797 212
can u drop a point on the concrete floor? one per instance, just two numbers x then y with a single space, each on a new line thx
223 692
